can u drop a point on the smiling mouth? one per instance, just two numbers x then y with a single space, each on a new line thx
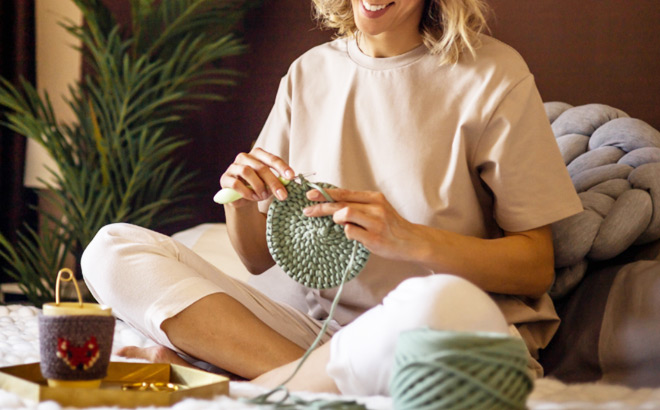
375 7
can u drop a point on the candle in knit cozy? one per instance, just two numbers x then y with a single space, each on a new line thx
75 340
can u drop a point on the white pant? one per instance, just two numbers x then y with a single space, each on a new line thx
147 278
362 353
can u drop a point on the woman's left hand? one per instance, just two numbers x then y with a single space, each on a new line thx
520 263
370 219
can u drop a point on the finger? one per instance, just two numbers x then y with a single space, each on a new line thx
365 216
269 163
257 176
357 233
243 179
274 162
342 213
273 184
354 221
323 209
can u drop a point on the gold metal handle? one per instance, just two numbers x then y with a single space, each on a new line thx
66 275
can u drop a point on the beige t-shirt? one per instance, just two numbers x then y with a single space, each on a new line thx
466 148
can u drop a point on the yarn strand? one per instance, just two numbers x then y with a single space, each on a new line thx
296 402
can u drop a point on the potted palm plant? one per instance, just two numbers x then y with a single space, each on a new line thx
115 162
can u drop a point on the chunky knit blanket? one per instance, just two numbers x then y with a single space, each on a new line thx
614 162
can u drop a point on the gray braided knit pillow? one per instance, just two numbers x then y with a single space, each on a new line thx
313 251
614 162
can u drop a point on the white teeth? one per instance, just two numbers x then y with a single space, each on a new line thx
374 7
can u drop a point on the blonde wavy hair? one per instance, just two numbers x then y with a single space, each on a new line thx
448 27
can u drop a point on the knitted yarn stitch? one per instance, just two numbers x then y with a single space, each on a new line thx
449 370
313 251
75 347
614 163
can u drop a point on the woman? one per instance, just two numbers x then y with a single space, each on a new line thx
450 176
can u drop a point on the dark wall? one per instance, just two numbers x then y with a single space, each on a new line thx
589 51
277 33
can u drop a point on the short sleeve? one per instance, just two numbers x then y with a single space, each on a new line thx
275 134
518 158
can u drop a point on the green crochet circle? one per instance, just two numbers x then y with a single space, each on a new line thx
314 251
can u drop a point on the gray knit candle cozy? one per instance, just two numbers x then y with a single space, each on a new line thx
75 347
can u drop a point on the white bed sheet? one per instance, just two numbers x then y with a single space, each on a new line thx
19 344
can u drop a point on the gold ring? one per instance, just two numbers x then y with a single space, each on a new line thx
155 386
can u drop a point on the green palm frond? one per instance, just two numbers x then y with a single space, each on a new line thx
34 261
116 161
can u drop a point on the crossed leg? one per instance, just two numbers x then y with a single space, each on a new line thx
188 306
183 303
237 341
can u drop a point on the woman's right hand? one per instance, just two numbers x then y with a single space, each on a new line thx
251 175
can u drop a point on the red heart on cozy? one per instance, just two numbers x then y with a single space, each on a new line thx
78 357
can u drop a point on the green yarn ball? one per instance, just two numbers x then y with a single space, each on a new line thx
314 251
435 369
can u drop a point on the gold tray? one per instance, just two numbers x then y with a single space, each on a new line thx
26 381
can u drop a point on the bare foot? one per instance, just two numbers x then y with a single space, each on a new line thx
153 354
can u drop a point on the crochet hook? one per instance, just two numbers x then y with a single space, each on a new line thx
227 195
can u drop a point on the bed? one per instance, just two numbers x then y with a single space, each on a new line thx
19 345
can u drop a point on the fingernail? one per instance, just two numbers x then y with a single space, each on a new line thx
289 174
281 194
307 211
256 197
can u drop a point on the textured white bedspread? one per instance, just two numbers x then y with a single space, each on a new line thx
19 344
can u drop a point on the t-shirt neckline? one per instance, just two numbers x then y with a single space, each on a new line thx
384 63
